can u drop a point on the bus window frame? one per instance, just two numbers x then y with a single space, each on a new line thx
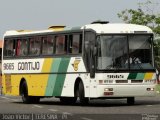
125 70
4 48
70 44
21 39
47 37
29 39
29 36
65 45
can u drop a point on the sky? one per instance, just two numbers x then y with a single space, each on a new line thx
40 14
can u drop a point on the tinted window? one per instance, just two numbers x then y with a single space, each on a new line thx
22 47
112 52
48 45
9 47
35 46
140 52
75 44
61 44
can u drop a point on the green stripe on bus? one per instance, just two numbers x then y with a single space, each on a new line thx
132 76
52 77
140 76
61 77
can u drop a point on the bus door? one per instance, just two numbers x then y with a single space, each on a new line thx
89 60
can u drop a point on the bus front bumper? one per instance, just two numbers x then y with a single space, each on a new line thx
125 90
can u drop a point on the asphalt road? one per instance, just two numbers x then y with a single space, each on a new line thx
145 108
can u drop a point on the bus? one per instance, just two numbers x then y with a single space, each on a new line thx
100 60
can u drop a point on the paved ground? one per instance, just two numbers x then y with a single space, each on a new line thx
145 108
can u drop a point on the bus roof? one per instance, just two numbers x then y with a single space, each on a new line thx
97 27
28 32
118 28
24 32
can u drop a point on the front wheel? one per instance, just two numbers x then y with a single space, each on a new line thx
83 100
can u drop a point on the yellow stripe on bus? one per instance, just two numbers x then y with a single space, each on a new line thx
148 76
37 84
47 65
41 80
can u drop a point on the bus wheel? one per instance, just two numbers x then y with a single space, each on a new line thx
81 92
68 100
24 93
130 100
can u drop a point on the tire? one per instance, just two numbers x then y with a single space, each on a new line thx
130 100
81 92
68 100
24 93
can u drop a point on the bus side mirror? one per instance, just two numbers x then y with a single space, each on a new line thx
92 72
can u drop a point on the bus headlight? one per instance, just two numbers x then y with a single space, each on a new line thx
108 89
150 89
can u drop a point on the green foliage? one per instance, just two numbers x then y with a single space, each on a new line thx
142 16
158 88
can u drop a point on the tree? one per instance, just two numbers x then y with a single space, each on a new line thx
144 15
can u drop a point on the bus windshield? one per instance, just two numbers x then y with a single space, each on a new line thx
124 52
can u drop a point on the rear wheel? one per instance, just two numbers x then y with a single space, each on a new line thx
130 100
83 100
24 93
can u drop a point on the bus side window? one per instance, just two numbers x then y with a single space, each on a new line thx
48 45
75 44
61 44
9 47
35 45
22 47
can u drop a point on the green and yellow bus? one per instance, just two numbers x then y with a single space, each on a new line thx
99 60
